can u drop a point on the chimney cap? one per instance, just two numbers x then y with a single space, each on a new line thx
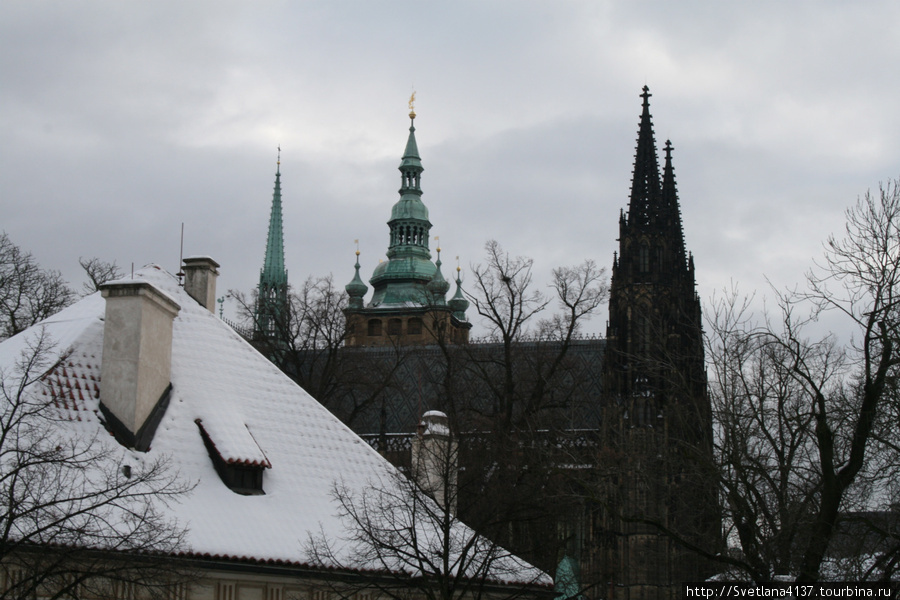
434 422
200 260
139 287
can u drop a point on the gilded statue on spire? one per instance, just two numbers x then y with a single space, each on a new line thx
412 108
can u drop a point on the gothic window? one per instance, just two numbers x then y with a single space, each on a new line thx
374 326
641 333
394 326
644 258
414 326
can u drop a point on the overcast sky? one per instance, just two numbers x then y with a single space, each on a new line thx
121 120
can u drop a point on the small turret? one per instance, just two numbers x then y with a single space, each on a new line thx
356 289
438 286
458 303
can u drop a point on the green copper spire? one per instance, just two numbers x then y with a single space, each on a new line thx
271 307
273 271
405 276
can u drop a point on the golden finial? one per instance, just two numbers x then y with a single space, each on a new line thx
357 246
437 238
279 154
458 268
412 108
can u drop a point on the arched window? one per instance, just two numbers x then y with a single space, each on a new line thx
395 326
414 326
374 326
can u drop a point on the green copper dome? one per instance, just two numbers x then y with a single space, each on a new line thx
409 207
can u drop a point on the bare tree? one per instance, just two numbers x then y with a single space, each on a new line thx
406 533
765 443
77 513
802 421
28 294
513 399
502 292
307 343
860 278
98 272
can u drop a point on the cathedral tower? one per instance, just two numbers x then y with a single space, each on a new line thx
657 416
409 300
271 300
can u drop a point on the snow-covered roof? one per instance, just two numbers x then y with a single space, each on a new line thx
252 412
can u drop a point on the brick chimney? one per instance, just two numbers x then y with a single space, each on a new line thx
135 374
200 280
435 459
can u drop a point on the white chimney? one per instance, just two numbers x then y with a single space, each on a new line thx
136 370
200 280
435 459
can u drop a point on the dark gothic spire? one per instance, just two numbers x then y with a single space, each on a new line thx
645 187
670 210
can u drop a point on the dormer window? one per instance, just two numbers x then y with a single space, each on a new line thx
242 475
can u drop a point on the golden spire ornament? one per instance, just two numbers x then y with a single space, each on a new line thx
412 108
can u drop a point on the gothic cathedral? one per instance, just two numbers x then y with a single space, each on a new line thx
647 430
657 423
